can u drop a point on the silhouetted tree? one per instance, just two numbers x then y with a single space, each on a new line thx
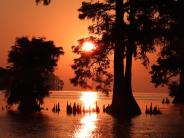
45 2
169 69
4 78
126 29
30 63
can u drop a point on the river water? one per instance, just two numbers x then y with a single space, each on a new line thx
47 124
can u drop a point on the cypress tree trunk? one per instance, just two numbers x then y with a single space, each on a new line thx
123 102
118 60
116 108
131 102
119 83
179 98
28 104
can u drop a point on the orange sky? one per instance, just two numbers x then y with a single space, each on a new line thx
58 22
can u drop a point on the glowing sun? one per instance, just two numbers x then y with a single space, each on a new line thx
89 99
88 46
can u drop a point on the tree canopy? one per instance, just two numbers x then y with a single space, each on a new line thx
126 29
169 69
30 63
4 78
141 25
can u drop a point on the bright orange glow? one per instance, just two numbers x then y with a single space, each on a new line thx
89 99
50 22
88 125
88 46
88 122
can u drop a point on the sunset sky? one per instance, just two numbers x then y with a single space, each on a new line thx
58 22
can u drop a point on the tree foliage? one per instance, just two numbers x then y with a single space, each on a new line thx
30 63
92 65
142 26
4 78
170 61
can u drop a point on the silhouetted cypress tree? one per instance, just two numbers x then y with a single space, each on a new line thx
126 29
169 69
4 78
30 63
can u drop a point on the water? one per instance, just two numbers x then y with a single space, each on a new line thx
47 124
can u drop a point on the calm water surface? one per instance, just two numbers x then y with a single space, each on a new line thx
47 124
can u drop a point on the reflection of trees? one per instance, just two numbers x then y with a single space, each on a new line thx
121 129
92 127
27 125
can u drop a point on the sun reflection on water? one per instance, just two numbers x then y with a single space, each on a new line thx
88 125
88 122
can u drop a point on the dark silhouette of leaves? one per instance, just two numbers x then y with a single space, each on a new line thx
31 62
170 64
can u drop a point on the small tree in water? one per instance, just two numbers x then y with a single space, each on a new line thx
30 63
